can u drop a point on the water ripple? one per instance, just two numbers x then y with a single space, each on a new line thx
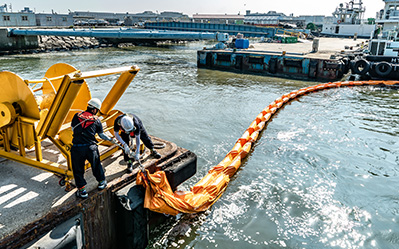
324 174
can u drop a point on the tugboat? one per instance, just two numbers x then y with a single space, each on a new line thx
347 21
382 57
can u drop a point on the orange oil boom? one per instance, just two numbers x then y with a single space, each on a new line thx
159 196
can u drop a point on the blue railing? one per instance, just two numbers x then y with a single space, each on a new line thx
231 29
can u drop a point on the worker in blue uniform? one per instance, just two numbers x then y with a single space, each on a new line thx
85 126
127 127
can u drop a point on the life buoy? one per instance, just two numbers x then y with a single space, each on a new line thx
339 21
383 69
361 67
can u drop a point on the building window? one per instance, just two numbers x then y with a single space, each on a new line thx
6 18
24 18
49 19
64 19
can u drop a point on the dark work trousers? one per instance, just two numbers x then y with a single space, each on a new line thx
79 155
143 137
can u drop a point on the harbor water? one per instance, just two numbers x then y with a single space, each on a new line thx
323 174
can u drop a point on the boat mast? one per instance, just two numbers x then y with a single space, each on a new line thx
351 13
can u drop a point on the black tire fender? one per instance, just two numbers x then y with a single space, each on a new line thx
383 69
365 65
346 65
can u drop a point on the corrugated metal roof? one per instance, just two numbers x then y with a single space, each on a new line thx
217 16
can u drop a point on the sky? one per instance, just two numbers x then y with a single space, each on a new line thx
190 7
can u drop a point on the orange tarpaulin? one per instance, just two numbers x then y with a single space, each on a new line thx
159 196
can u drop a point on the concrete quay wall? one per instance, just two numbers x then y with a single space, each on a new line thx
38 44
17 43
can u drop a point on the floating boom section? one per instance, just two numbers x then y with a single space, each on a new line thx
159 196
27 118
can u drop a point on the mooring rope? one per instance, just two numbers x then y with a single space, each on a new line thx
159 195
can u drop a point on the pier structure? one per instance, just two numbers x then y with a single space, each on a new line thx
12 39
231 29
122 34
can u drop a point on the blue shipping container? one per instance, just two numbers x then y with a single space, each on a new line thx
242 43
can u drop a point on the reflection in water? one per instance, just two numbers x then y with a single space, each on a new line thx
324 174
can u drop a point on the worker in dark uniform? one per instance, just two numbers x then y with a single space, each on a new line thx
127 127
85 125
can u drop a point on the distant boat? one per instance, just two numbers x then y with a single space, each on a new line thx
347 20
381 59
385 40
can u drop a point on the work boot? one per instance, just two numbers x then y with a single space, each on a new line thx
102 185
130 167
82 193
155 154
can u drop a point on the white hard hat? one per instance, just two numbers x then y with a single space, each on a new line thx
94 102
127 123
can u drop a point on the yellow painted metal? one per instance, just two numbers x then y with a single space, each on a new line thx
20 135
105 72
38 145
7 114
110 119
62 103
26 123
53 79
50 80
65 138
64 151
6 140
14 90
18 98
44 164
56 69
117 90
64 90
43 114
112 115
112 149
37 89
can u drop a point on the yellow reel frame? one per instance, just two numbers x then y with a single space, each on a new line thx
27 118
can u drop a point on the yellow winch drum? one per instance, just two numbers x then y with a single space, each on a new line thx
7 114
33 110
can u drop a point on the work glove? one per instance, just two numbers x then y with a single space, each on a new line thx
126 148
114 141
